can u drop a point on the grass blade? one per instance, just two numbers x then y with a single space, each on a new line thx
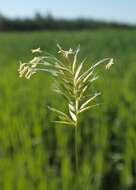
75 59
87 108
89 100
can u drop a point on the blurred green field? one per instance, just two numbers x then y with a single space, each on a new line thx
36 154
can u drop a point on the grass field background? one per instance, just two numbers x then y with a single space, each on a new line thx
36 154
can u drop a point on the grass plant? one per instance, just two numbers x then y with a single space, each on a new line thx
72 82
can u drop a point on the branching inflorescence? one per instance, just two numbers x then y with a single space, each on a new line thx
72 81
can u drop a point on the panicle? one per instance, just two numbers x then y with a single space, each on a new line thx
73 81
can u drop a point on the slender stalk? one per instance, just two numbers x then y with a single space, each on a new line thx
76 124
76 150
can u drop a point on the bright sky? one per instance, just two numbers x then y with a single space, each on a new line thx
115 10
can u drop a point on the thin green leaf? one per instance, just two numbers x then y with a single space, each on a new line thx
89 100
75 59
84 75
92 68
93 79
82 91
99 62
79 69
87 77
59 113
64 123
87 108
87 83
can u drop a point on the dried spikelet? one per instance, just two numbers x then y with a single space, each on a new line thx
37 50
108 66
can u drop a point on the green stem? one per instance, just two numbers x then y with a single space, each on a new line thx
76 150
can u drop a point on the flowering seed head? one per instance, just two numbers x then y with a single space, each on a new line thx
73 82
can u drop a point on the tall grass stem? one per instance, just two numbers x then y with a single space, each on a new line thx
76 150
